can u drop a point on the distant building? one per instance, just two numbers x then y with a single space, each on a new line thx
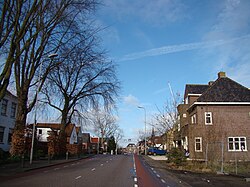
131 148
7 120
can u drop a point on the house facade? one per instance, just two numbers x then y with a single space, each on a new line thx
73 135
215 121
7 119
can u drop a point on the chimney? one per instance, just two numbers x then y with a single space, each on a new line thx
221 74
210 83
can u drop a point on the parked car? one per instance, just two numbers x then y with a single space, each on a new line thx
156 151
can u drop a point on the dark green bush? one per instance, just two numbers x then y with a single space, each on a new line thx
176 156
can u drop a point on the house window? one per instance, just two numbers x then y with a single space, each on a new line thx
4 107
237 144
10 135
179 127
208 118
40 131
193 119
1 134
13 110
198 144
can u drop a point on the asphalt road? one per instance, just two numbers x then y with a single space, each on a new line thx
101 170
117 171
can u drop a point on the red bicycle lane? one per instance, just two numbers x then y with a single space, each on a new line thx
144 177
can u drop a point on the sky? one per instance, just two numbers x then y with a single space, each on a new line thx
157 43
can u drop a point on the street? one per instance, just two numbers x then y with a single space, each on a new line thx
116 170
101 170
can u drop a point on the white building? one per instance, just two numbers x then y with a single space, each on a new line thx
7 119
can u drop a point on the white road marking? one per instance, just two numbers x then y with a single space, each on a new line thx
46 171
158 176
73 164
93 169
78 177
163 181
107 161
101 164
135 185
65 166
135 179
56 168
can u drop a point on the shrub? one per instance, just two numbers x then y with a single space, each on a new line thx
176 156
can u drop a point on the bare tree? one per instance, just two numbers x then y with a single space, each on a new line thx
167 117
104 124
84 79
30 30
118 135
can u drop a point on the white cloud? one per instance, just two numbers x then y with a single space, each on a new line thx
234 58
131 100
155 12
179 48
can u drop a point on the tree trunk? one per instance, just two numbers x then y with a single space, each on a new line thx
18 137
62 134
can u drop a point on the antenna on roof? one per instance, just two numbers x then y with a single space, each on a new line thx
171 91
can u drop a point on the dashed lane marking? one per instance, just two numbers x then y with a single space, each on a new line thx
93 169
163 181
101 165
66 166
78 177
56 168
158 176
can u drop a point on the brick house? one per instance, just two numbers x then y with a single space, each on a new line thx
73 135
214 121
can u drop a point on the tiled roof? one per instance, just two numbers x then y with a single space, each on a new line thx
94 139
225 90
56 126
195 89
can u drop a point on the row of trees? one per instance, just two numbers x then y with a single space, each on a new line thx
80 77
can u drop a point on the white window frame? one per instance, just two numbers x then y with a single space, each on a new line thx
4 107
10 135
178 127
210 117
237 144
193 119
200 142
13 110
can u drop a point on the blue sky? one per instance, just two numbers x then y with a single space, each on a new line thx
154 42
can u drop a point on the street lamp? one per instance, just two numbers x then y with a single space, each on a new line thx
51 57
141 107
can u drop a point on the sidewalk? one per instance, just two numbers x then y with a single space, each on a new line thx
11 169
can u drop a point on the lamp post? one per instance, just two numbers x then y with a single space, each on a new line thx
141 107
50 56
